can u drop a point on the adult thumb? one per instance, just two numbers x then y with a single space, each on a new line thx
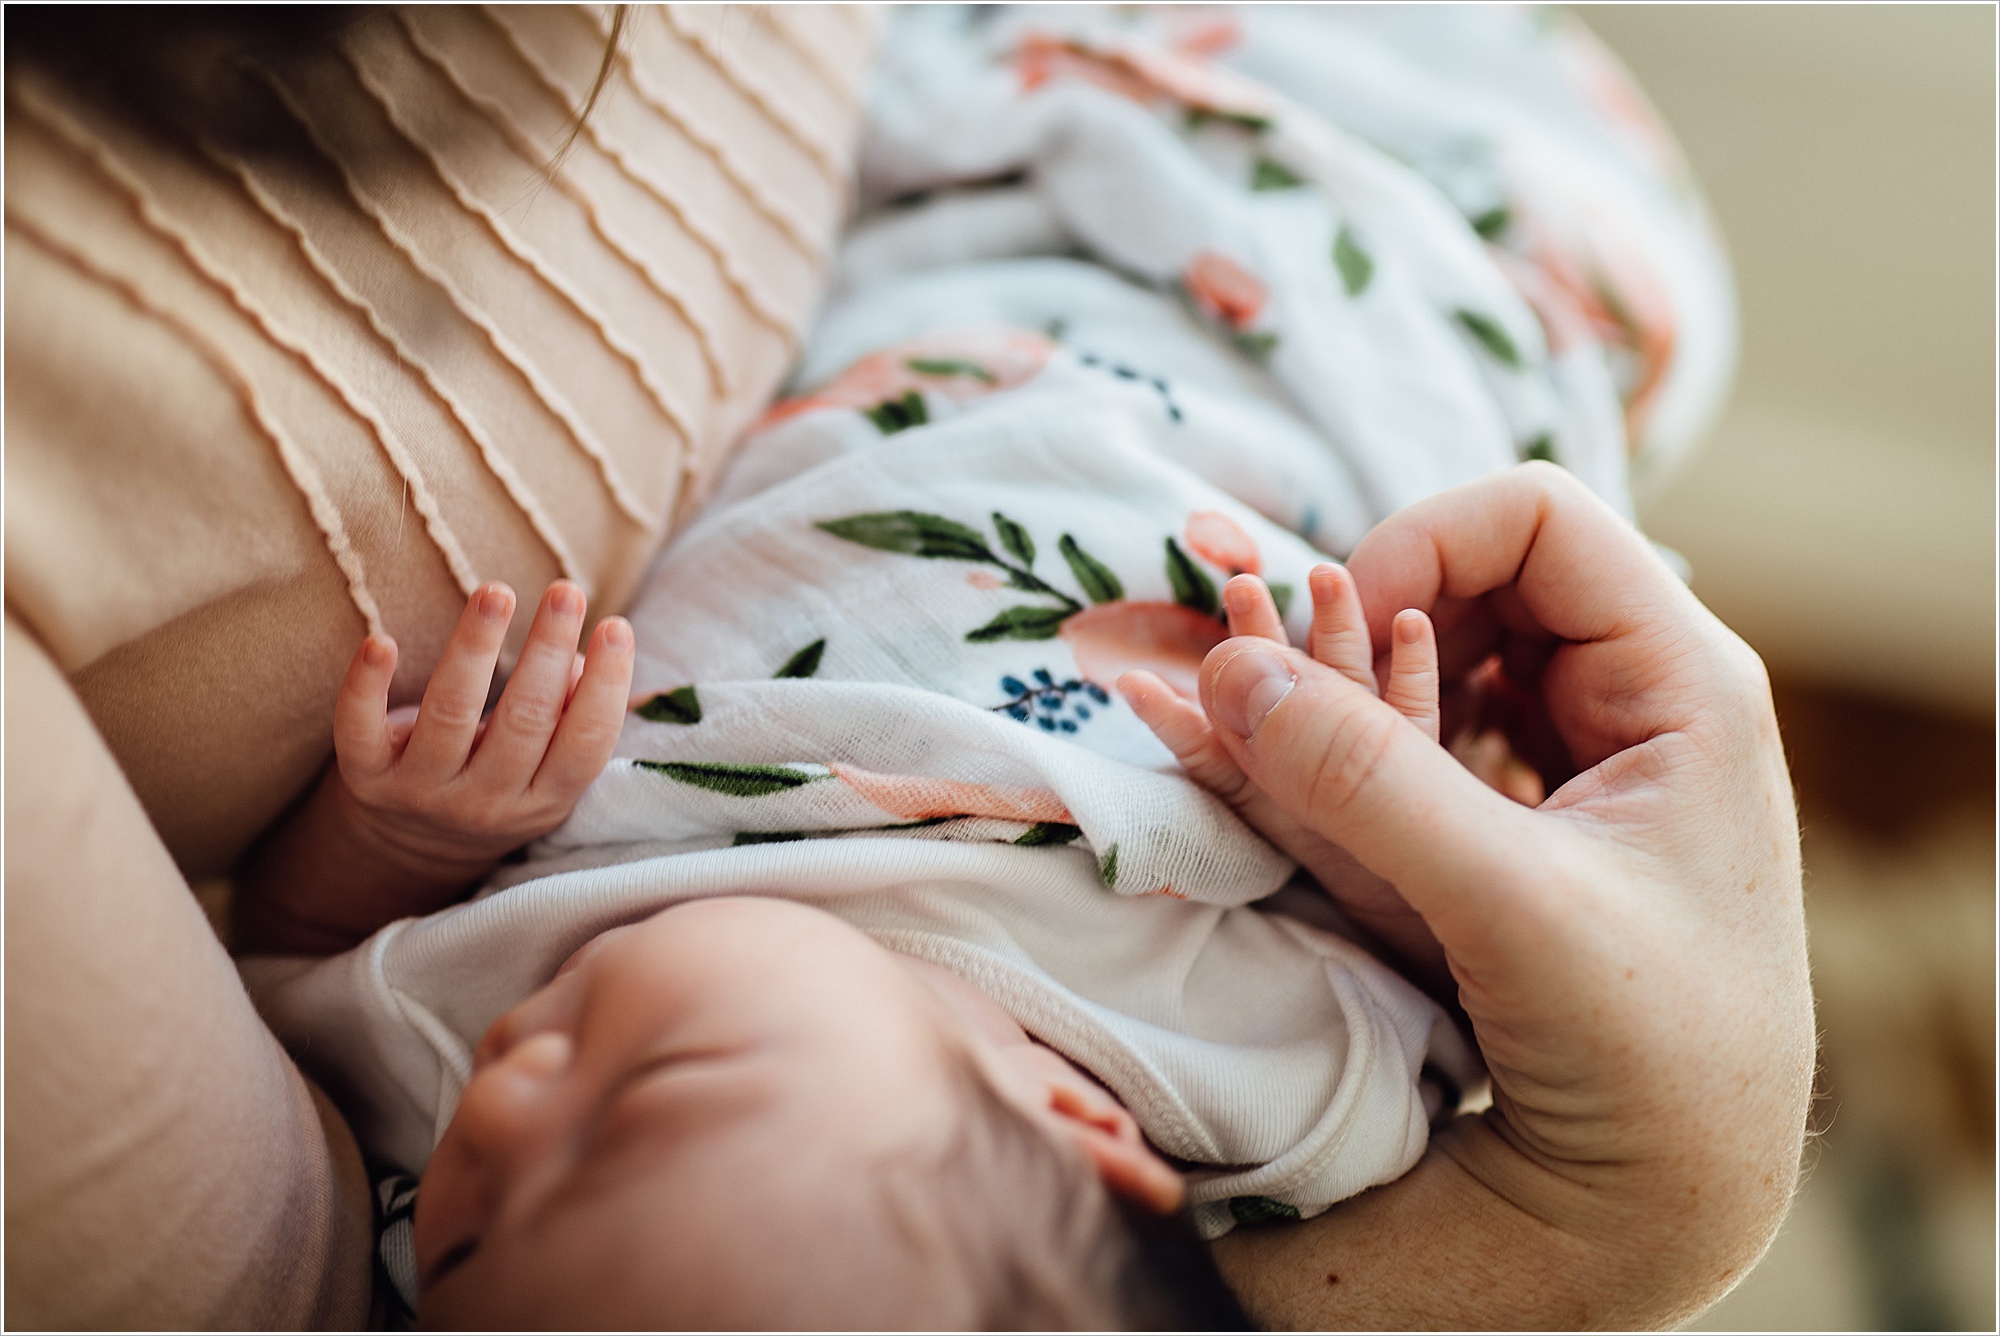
1347 765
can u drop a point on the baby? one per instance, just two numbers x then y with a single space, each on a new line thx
724 1080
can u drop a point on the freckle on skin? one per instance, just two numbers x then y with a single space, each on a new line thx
1332 1279
1631 974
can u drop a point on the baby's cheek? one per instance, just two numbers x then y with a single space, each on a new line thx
453 1204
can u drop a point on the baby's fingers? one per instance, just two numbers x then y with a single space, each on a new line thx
1339 635
1181 725
456 696
1413 671
532 705
361 735
596 713
1247 600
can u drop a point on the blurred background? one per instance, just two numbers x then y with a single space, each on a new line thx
1841 518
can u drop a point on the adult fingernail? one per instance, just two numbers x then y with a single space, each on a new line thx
493 602
376 651
618 633
566 599
1249 687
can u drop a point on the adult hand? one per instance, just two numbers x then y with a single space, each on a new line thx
1631 954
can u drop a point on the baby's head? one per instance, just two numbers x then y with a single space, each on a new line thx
745 1113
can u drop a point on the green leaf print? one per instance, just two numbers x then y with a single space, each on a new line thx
805 663
950 366
1048 832
1354 264
1099 584
1022 623
1200 116
1491 336
1258 1210
1014 538
744 837
679 706
739 781
912 532
1493 222
1256 345
1107 867
1281 594
1192 587
1543 447
894 415
1269 174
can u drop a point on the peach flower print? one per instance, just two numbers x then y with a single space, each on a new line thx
1221 541
1224 289
1147 72
923 797
1116 638
956 363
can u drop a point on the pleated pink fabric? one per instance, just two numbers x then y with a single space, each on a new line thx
268 392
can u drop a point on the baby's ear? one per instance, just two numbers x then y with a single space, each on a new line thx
1091 1117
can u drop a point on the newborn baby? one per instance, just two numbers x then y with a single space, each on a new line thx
736 1081
730 1077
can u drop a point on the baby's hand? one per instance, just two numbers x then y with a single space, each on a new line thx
1339 639
454 791
425 800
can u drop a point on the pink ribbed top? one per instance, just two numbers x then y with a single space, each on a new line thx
267 390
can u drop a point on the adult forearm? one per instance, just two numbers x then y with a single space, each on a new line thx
1445 1247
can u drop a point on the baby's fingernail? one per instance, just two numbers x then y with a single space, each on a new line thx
566 599
493 602
1409 629
1248 687
618 633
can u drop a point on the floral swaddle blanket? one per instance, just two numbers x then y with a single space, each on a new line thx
1138 307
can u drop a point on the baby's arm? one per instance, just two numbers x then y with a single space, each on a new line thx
423 802
1338 639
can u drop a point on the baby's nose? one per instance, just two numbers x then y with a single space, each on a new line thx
513 1104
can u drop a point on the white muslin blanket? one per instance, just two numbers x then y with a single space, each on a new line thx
1157 298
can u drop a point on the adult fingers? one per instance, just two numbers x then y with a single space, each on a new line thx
456 696
590 726
361 734
1247 600
1581 572
1352 769
529 709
